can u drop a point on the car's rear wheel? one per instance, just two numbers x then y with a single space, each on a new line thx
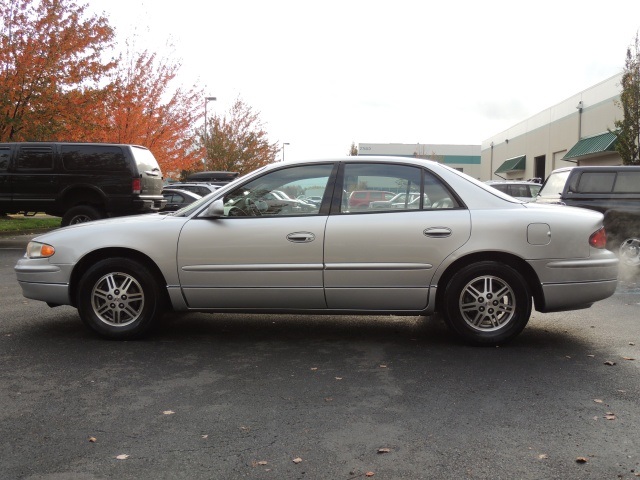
81 214
487 303
119 298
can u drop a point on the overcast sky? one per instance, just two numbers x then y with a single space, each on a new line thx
326 73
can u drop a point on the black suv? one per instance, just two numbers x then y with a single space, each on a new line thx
613 191
79 181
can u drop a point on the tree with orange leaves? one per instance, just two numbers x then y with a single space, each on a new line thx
51 63
142 109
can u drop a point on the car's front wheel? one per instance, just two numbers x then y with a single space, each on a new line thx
119 298
487 303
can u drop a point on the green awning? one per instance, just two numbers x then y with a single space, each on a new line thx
603 142
513 164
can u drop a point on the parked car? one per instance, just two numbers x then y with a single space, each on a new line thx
479 257
201 188
520 189
362 198
79 181
176 198
215 178
401 200
276 202
614 191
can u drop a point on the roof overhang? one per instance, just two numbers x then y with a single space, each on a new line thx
515 164
592 146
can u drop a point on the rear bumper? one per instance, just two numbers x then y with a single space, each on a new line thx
573 296
576 283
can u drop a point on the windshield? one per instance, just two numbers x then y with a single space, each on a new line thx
554 185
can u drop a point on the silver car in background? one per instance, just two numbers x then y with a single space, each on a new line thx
480 258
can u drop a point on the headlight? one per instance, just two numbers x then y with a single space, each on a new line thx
39 250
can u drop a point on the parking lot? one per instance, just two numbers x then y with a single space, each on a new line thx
287 397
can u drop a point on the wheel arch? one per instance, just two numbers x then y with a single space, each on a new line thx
528 273
82 195
90 259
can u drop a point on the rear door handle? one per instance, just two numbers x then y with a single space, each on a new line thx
437 232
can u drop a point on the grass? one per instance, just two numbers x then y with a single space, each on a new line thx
24 225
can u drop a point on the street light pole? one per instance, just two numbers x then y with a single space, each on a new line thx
206 134
283 144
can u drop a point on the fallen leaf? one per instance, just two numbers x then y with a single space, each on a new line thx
610 363
369 474
93 439
610 416
297 460
124 456
384 450
597 400
582 460
168 412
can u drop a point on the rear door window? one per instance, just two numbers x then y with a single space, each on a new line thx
4 159
35 158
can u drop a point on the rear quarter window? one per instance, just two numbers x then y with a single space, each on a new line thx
96 158
628 182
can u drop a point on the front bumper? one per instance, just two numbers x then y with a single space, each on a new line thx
43 281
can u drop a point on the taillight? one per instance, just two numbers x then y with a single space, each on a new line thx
598 239
136 185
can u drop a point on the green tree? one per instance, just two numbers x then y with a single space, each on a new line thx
628 129
239 142
353 150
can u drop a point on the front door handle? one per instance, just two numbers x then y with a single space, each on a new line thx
301 237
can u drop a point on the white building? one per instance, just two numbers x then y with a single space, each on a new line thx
465 158
573 132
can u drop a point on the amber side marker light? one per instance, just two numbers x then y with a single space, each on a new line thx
598 239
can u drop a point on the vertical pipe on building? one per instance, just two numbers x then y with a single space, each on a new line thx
579 107
491 163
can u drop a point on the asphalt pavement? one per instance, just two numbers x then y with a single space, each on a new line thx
316 397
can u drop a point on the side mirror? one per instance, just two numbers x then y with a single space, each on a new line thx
214 210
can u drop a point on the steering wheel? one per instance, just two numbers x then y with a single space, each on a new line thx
252 208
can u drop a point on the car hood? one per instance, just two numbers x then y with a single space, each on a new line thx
131 222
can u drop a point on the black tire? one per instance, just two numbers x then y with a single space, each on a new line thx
487 303
119 298
81 214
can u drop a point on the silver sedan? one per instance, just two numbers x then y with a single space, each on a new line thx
480 258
